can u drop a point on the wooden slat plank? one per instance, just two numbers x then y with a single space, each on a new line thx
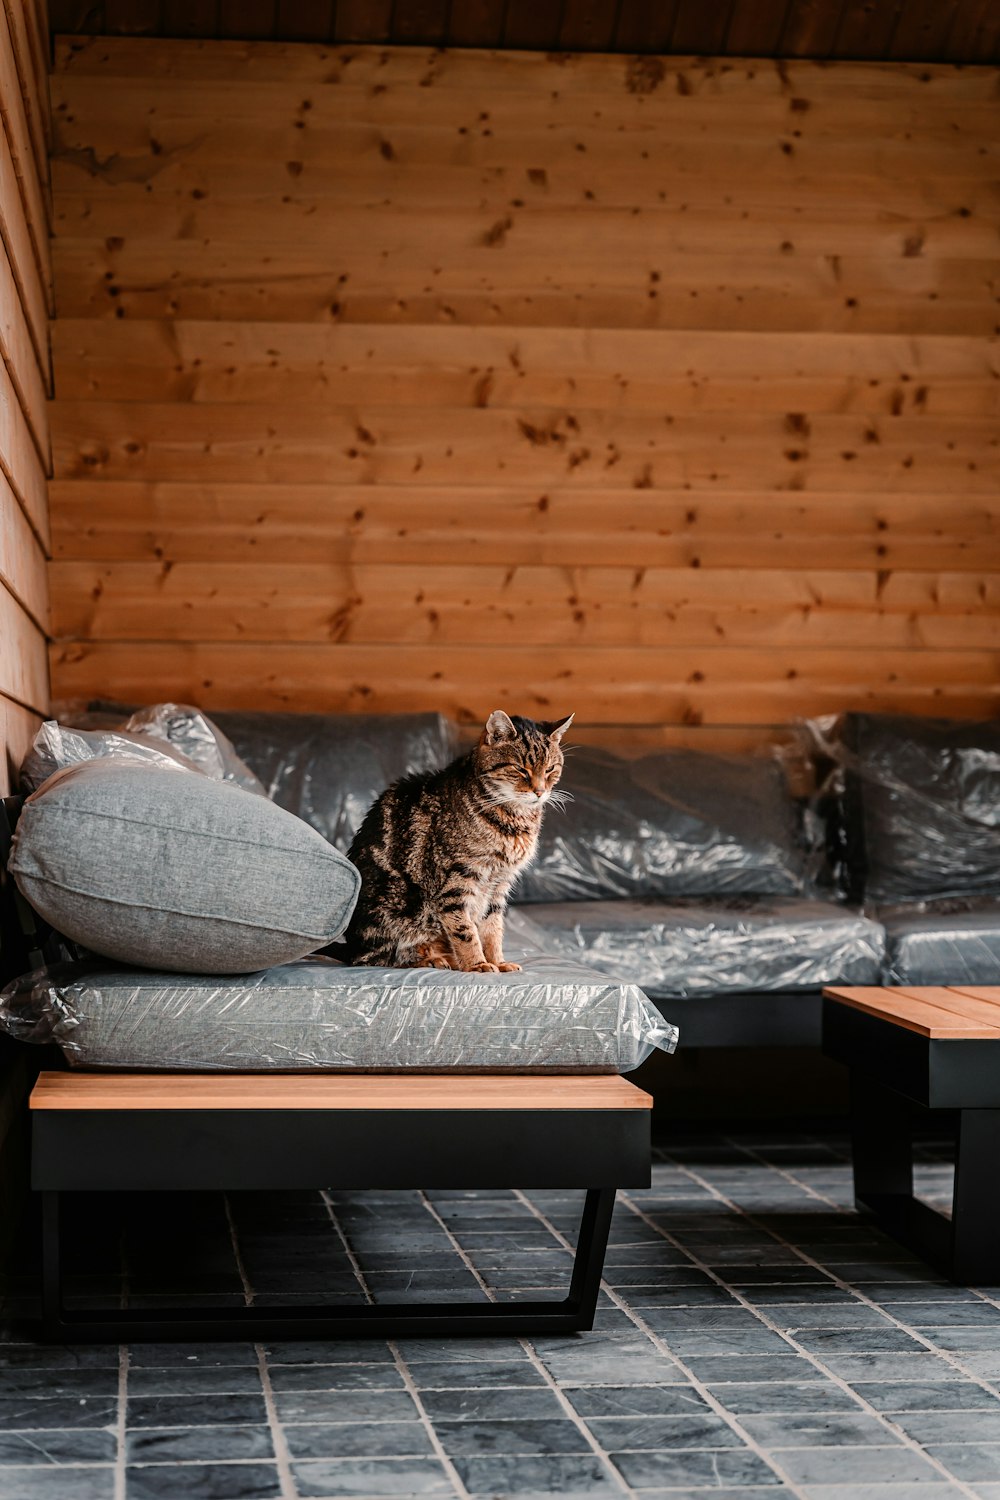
18 133
22 561
610 685
588 26
966 1004
105 520
132 17
532 24
922 29
23 666
18 727
19 459
906 1009
754 28
699 29
452 604
198 18
420 22
645 28
705 291
809 29
33 81
866 28
527 69
251 19
395 1091
18 244
632 369
537 445
18 354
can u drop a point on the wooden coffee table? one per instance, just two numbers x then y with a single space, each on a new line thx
931 1049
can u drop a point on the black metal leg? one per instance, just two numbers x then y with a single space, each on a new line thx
51 1266
881 1140
975 1229
588 1267
574 1314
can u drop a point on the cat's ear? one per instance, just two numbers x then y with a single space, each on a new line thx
499 728
557 730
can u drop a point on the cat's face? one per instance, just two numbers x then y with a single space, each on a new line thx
521 761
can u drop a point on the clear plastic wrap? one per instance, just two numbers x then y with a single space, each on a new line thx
680 950
677 823
328 769
915 805
57 747
196 737
942 942
317 1014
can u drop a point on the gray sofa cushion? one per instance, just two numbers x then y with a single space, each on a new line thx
677 823
329 768
684 949
168 868
318 1014
943 944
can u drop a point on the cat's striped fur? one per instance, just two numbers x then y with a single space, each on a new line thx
439 851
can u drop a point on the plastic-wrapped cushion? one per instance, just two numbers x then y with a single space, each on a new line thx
196 737
685 949
56 747
676 823
554 1015
942 943
329 768
921 806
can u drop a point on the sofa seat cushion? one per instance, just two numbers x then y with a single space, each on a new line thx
554 1015
682 949
943 943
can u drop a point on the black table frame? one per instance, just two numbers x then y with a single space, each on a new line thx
896 1073
231 1149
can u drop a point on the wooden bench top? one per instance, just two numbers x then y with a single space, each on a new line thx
326 1091
942 1012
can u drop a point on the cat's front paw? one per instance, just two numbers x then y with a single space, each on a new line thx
484 968
506 968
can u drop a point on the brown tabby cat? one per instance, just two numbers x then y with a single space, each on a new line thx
439 851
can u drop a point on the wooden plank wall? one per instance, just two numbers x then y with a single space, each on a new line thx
25 302
661 390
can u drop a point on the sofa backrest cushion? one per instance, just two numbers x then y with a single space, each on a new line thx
170 869
329 768
676 823
921 806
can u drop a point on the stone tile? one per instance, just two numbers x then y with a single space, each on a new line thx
364 1477
698 1429
57 1482
187 1444
335 1378
799 1430
195 1411
636 1400
718 1370
855 1368
961 1339
195 1380
883 1340
345 1406
358 1440
482 1438
929 1427
71 1384
83 1445
968 1460
695 1469
58 1357
868 1465
927 1396
810 1396
201 1482
492 1405
914 1490
606 1364
532 1477
49 1412
467 1375
189 1356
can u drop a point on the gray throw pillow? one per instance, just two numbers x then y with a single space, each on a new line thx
173 870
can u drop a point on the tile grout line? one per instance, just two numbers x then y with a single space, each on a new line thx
444 1459
813 1359
660 1344
533 1357
121 1426
948 1355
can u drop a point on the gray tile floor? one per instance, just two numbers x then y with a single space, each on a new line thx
755 1339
